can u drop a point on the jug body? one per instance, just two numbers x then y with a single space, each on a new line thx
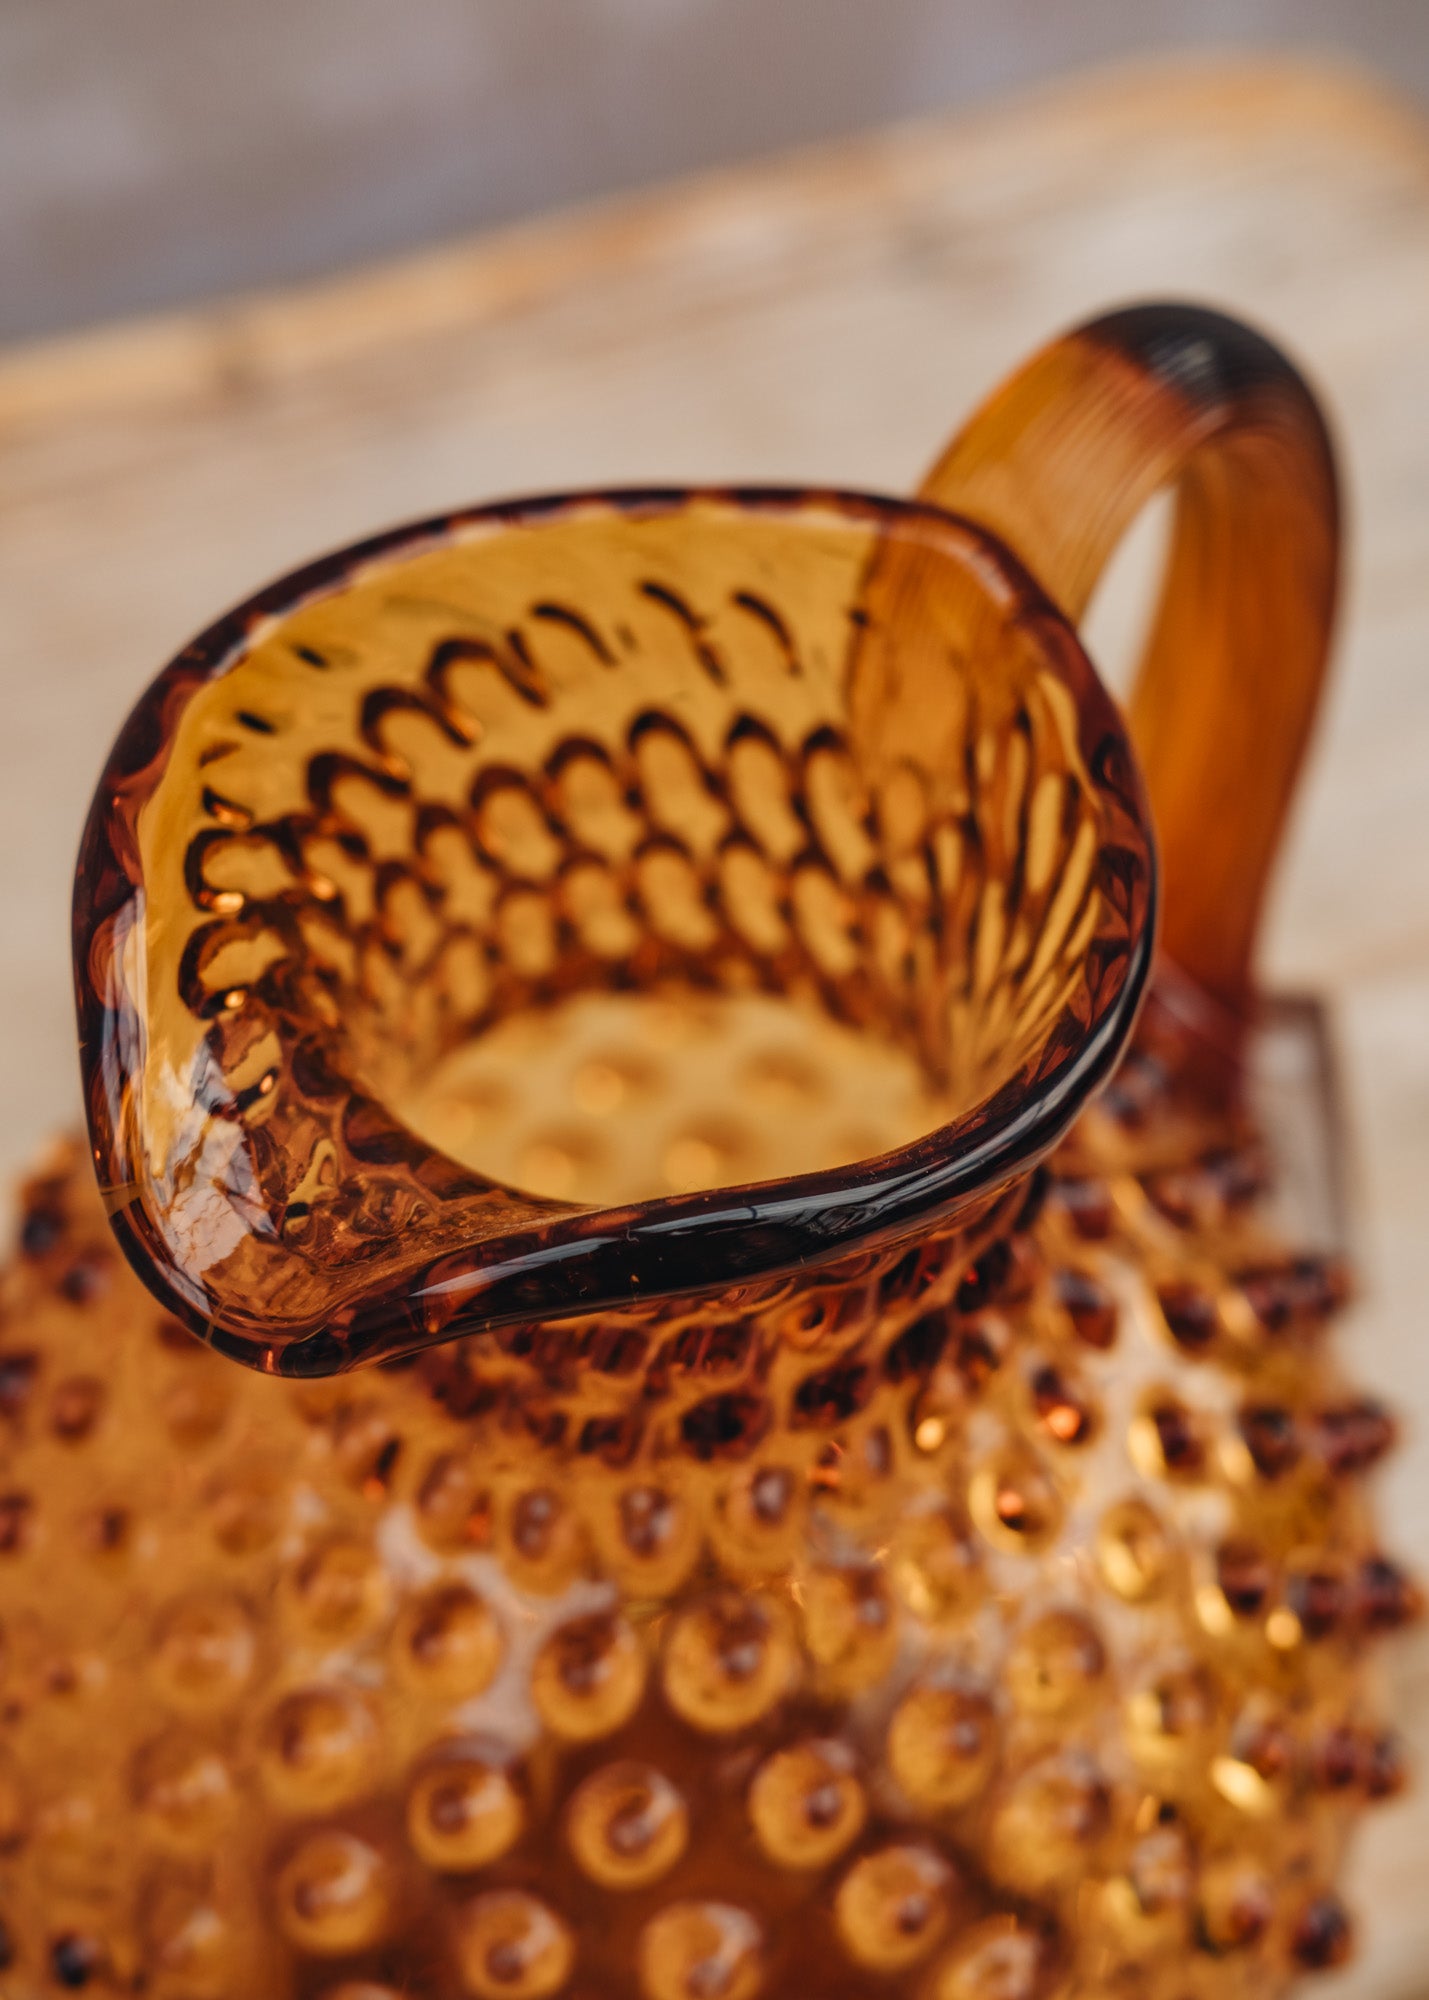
1019 1651
750 1477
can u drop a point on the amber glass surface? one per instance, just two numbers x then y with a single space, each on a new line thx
835 1510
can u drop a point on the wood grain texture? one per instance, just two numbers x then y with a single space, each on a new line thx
830 317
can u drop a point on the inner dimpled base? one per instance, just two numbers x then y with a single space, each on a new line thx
613 1098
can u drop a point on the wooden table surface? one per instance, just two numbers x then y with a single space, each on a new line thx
823 318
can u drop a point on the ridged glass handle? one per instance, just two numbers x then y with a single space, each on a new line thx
1059 462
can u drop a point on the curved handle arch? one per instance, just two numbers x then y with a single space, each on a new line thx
1059 461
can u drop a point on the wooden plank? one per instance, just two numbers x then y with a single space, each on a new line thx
828 317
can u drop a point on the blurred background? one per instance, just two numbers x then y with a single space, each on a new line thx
154 151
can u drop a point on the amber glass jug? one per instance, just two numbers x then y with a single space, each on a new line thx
750 1477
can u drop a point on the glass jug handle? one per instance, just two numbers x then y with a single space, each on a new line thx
1059 461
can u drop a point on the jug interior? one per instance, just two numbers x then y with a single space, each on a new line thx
623 850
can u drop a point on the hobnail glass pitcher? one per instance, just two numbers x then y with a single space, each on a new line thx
750 1477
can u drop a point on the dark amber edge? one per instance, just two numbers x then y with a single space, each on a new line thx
581 1260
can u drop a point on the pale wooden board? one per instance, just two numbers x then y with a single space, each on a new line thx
828 318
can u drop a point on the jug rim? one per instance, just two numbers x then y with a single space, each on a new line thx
569 1259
